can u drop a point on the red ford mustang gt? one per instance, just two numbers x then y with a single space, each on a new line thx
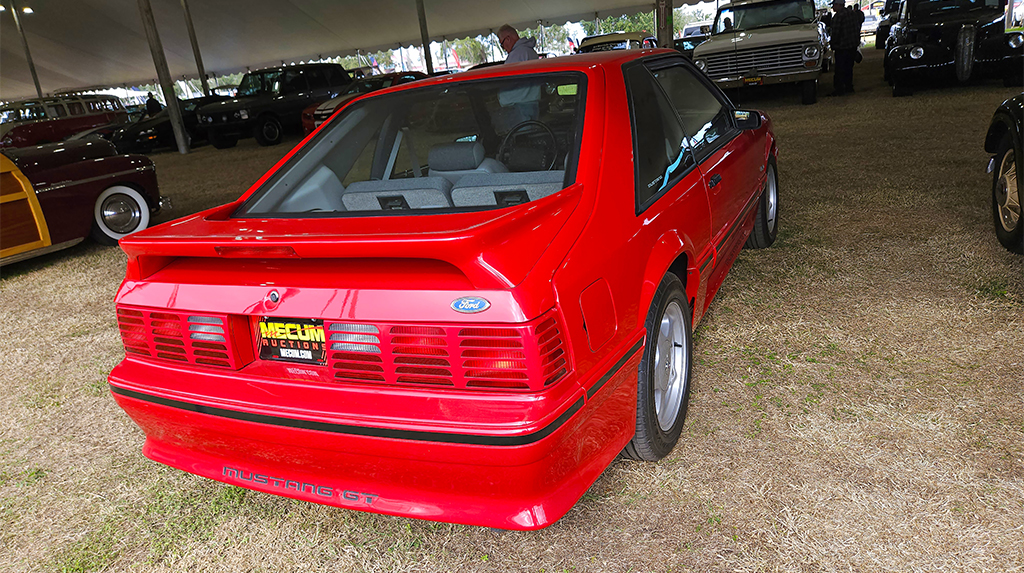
457 300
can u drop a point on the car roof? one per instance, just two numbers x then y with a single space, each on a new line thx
744 2
584 62
292 67
614 36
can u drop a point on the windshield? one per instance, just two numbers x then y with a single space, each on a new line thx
470 145
935 7
763 15
22 113
271 82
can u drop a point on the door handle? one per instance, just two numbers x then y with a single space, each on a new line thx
715 180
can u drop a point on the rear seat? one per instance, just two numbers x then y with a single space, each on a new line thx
412 193
488 189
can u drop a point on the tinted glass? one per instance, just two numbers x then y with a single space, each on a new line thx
661 149
259 83
335 77
925 8
705 119
316 78
76 108
471 145
56 111
764 15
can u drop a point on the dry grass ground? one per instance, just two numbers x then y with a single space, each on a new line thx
858 400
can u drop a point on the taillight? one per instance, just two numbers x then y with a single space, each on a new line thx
217 340
526 357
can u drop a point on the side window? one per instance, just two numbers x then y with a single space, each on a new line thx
316 78
335 77
661 150
56 111
705 120
76 108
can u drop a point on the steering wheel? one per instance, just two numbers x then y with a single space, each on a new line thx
797 18
508 143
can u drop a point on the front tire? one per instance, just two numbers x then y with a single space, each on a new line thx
1006 199
663 390
118 211
808 92
766 220
267 131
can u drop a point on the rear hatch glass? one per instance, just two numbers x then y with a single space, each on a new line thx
470 145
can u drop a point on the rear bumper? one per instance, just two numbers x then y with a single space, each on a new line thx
521 474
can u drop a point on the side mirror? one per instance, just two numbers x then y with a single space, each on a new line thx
705 29
746 119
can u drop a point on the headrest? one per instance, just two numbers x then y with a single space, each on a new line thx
458 156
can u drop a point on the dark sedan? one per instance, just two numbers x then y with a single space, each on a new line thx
1004 140
148 133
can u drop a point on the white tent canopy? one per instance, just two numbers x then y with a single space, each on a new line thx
83 43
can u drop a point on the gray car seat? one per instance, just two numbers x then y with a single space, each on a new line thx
412 193
454 160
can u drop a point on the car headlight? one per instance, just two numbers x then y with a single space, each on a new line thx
242 114
701 65
811 52
1015 40
916 53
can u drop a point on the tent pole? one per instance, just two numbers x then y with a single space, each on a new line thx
166 84
24 45
663 22
424 36
195 47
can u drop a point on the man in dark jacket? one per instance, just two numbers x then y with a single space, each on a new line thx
153 107
845 41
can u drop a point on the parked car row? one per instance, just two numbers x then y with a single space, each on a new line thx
49 120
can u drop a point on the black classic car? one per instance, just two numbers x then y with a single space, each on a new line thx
1004 140
270 101
952 40
148 133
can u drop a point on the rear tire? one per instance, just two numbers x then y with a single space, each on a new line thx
1006 199
663 388
809 91
221 141
118 211
766 220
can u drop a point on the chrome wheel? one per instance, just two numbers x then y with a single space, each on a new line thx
120 213
1007 193
772 199
670 359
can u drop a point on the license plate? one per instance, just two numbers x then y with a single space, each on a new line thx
754 81
292 340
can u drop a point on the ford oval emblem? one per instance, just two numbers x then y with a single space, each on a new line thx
470 304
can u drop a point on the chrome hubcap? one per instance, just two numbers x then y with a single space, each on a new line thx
670 359
1008 194
270 130
772 191
121 214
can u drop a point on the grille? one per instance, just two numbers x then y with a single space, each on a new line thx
762 60
204 339
520 358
